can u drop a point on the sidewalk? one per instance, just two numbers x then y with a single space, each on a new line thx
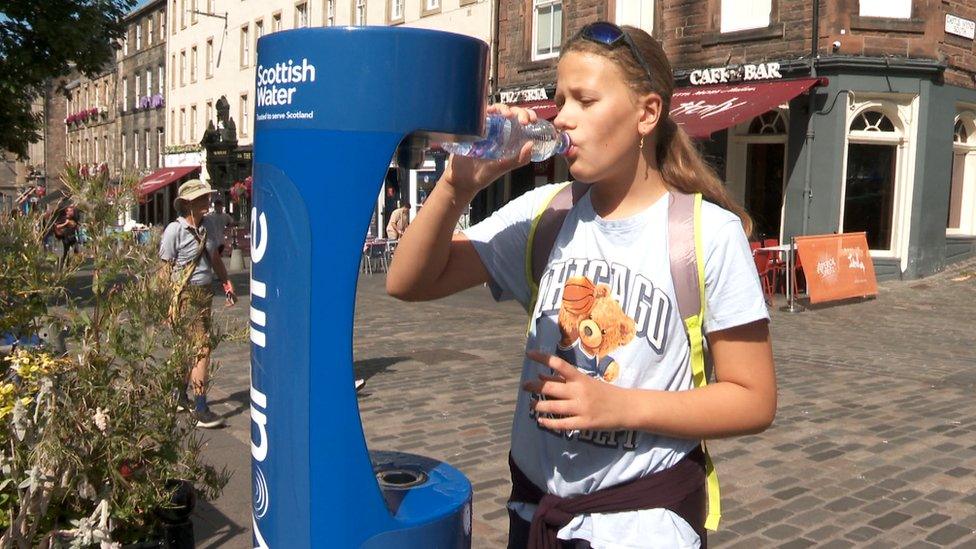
874 444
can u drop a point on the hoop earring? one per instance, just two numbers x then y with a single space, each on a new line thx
640 146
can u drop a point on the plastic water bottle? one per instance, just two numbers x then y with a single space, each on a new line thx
505 137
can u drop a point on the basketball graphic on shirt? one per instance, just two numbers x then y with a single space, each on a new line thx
578 295
593 325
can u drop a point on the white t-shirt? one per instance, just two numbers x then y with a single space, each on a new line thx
630 257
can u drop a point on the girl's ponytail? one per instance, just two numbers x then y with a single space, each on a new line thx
683 169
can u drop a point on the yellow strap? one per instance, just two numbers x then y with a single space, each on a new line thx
533 286
696 339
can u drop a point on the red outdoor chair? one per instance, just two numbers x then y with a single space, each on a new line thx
766 267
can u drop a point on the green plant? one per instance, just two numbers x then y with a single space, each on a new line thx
93 436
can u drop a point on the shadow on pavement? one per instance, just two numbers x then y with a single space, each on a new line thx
369 367
241 402
211 528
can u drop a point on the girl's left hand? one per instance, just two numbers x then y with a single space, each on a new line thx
578 401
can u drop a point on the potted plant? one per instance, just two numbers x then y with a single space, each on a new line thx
94 451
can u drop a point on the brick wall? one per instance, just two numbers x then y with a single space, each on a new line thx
958 52
690 31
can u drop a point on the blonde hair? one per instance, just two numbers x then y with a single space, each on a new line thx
682 166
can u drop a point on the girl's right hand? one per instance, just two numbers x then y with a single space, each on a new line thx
467 175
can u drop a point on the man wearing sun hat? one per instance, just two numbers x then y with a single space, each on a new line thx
192 260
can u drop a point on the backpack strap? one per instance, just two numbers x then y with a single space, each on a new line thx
688 275
545 227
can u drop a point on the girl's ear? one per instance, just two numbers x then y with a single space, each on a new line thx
651 114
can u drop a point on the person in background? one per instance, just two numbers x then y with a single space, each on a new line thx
216 222
66 230
399 220
190 260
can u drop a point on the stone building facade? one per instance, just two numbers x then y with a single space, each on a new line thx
141 87
890 149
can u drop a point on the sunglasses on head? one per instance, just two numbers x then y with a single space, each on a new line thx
610 35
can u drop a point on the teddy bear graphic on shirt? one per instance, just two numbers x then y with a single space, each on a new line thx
593 325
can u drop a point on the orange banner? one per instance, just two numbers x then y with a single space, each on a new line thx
837 266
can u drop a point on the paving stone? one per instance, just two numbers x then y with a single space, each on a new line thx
863 533
949 533
889 521
932 520
782 532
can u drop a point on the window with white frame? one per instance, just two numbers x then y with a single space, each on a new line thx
124 155
245 46
547 28
245 116
432 5
276 22
330 13
871 185
147 157
135 150
150 25
138 37
893 9
193 11
210 57
135 95
193 64
160 78
183 68
961 218
258 32
396 10
740 15
149 88
209 111
301 15
359 13
172 72
182 122
160 147
172 126
125 93
125 43
636 13
193 123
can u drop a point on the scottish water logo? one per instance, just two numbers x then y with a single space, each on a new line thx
270 91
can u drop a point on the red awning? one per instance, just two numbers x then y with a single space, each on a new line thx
545 109
704 110
162 177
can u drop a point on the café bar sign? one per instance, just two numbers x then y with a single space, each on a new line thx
523 96
735 73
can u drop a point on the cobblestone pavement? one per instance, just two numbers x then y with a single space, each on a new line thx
874 444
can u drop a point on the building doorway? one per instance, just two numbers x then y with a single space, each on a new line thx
756 170
764 187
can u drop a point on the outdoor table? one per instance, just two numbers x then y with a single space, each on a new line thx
788 250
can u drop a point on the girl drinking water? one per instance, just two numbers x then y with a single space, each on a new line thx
612 412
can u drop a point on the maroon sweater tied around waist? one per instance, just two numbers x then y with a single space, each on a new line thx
679 489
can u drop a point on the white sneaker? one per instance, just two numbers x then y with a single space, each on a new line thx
360 383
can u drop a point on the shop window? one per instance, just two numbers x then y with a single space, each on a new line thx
636 13
870 185
961 217
892 9
769 123
547 28
738 15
